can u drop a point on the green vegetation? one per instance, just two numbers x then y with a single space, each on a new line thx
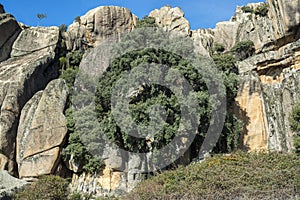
236 176
63 28
247 9
229 138
75 147
146 22
243 49
152 94
47 188
40 16
295 126
218 48
77 19
262 10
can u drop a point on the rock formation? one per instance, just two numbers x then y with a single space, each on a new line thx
9 185
28 71
171 19
97 25
42 131
9 30
32 124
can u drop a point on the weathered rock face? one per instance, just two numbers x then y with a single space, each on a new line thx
20 78
36 39
245 26
9 30
276 74
9 185
285 16
99 24
42 131
171 19
203 40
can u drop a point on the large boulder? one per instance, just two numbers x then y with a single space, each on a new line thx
42 131
97 25
20 78
9 30
171 19
36 39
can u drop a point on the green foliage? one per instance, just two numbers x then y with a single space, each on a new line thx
63 28
78 150
262 10
41 16
218 48
77 19
69 67
148 96
146 22
232 129
247 9
294 120
75 147
152 94
47 187
235 176
243 49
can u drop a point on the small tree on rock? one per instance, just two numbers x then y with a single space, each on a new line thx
40 16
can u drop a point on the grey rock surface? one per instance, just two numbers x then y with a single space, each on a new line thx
30 40
42 131
171 19
97 25
9 30
9 185
20 78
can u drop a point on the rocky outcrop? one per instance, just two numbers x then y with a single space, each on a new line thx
36 39
203 40
171 19
9 30
9 185
269 88
20 78
42 131
285 16
97 25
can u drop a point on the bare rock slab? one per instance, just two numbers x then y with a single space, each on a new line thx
42 131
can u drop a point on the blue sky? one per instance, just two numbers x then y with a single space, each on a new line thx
201 14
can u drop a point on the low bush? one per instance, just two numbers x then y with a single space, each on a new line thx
47 188
235 176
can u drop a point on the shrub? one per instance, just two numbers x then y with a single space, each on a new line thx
235 176
294 120
243 49
77 19
146 22
218 48
247 9
47 188
262 10
63 28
